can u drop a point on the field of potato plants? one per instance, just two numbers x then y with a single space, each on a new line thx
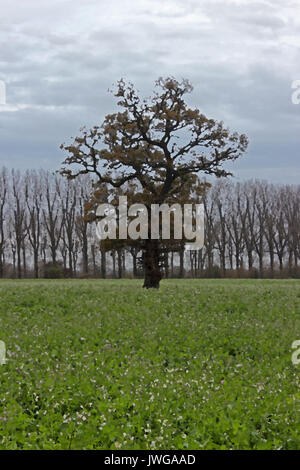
104 364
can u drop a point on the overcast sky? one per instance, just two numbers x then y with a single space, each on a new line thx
58 58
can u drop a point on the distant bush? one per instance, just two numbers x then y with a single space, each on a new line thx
215 272
53 271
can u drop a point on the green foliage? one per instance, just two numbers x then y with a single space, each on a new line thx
100 364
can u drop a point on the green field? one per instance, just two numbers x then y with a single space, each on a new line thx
199 364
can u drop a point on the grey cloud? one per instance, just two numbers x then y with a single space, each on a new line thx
60 58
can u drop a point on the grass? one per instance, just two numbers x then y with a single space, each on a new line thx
200 364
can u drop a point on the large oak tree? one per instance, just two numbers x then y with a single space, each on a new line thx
160 146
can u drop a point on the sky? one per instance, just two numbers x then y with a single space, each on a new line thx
58 59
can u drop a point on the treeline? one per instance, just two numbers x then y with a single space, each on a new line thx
252 229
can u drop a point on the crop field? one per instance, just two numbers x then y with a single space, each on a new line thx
104 364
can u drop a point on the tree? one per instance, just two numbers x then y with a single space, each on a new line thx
69 202
34 198
3 202
82 225
159 143
18 217
52 217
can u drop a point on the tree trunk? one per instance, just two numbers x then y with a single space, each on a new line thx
14 264
19 262
36 264
181 261
103 263
113 254
261 265
70 263
250 259
120 270
85 256
1 265
93 252
271 260
24 260
151 257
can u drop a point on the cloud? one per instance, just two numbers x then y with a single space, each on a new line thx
59 58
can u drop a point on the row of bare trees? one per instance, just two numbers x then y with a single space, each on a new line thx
251 228
41 223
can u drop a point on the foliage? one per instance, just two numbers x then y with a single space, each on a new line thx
122 368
